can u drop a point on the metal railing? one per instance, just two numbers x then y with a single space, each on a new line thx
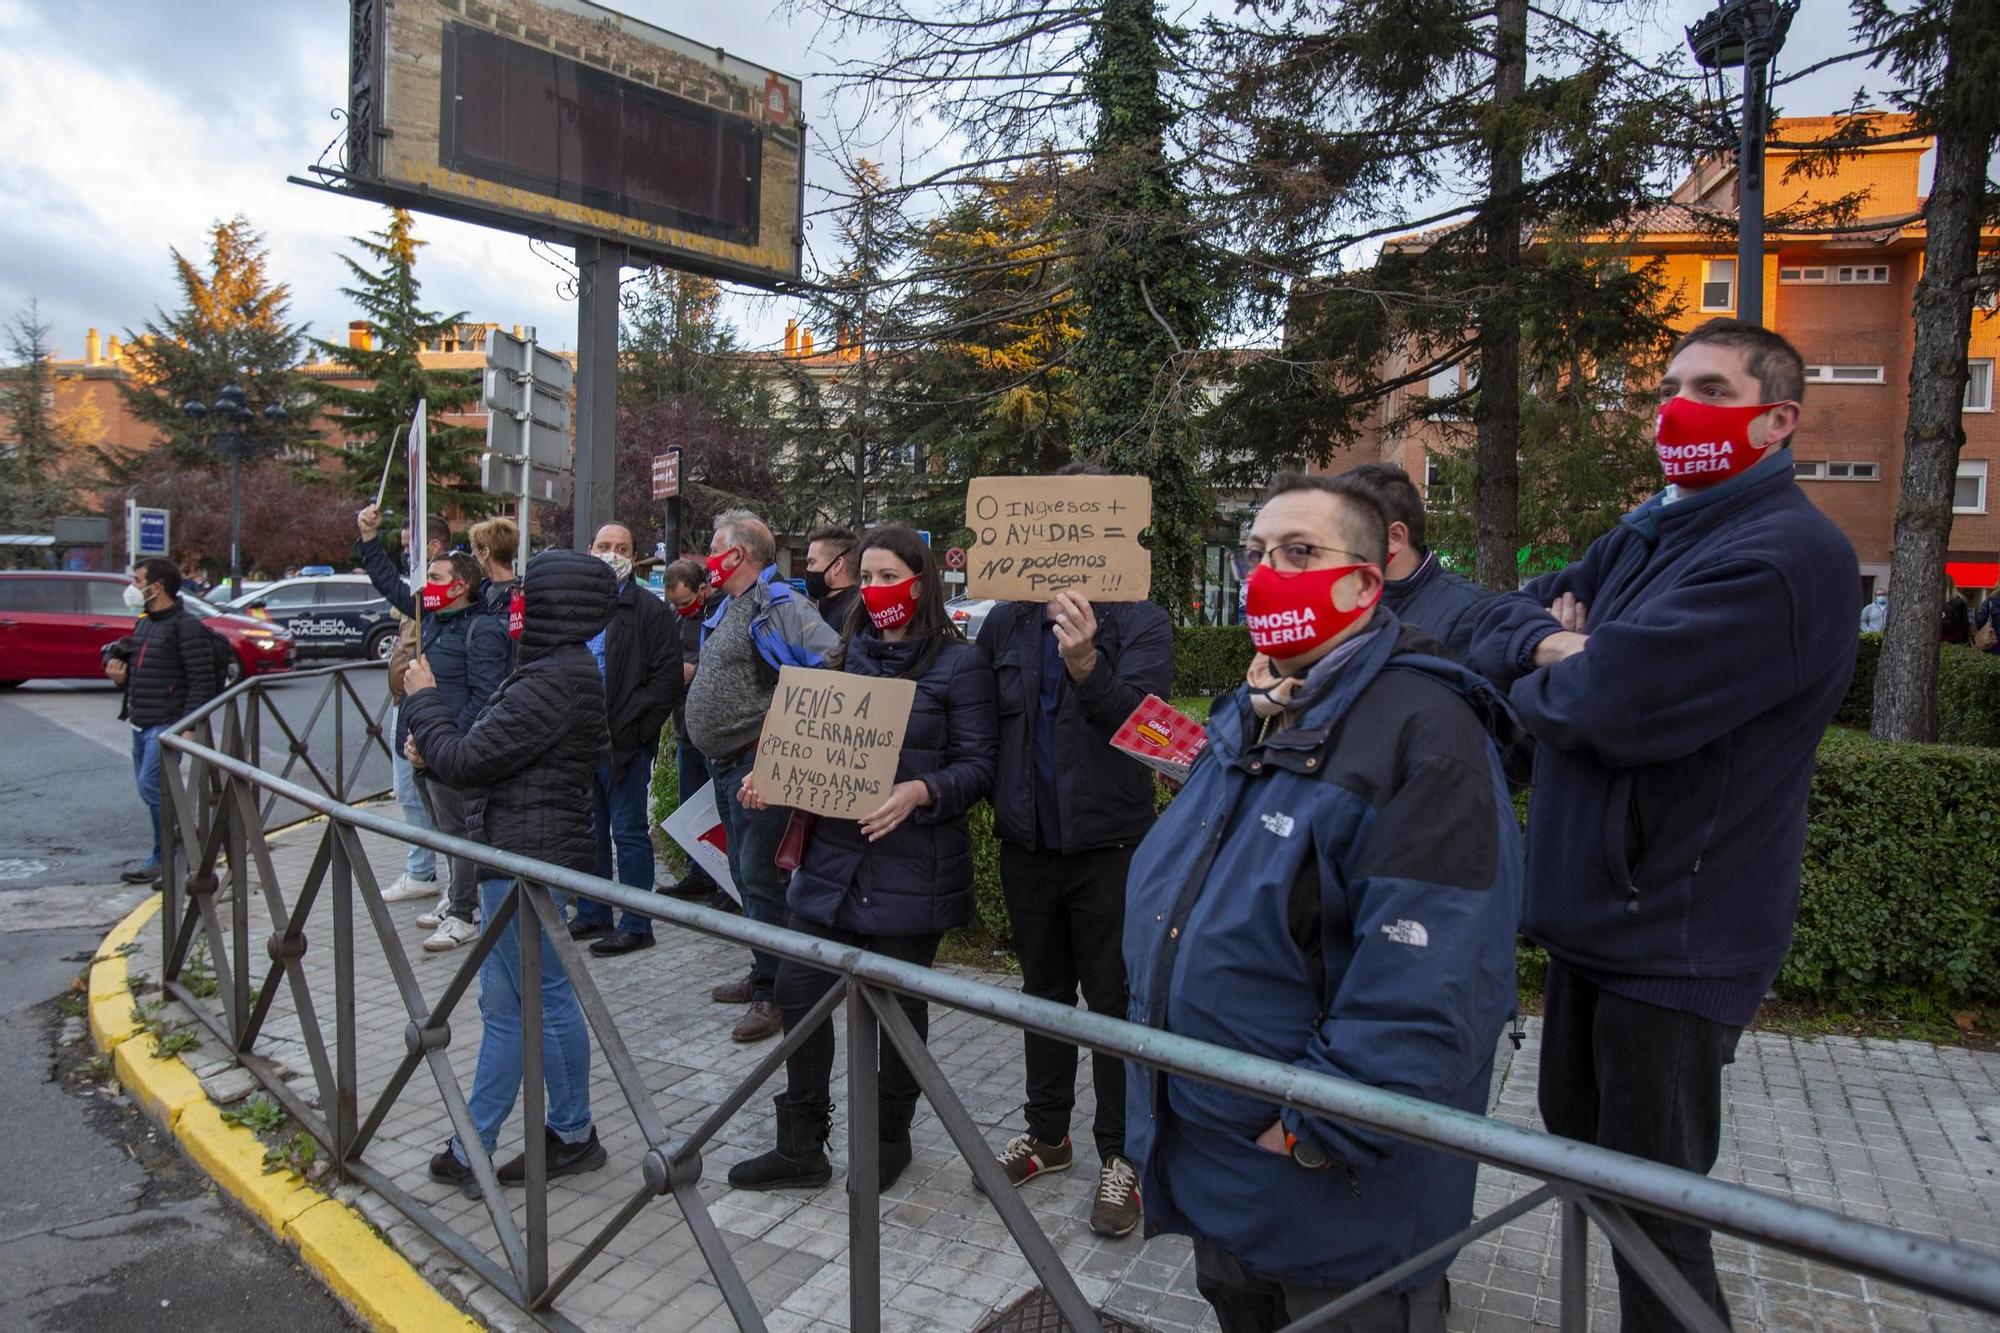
220 818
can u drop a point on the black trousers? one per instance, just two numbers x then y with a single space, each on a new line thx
1068 914
809 1071
1644 1080
1246 1303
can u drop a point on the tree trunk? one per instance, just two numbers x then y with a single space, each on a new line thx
1968 125
1496 486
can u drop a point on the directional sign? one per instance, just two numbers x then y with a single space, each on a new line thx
955 558
511 437
509 476
667 475
145 531
521 398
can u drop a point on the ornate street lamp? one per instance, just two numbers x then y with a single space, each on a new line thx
231 418
1747 34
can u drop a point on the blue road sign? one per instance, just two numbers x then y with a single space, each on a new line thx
152 533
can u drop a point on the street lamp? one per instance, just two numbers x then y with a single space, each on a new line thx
1745 33
232 417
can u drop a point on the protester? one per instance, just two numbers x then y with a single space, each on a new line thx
830 575
167 668
1069 810
639 656
759 626
419 877
685 586
526 767
1875 615
895 879
1420 590
1678 680
1336 888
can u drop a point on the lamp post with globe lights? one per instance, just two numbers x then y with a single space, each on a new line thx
1748 34
229 419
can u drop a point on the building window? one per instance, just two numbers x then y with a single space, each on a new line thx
1437 491
1851 273
1844 374
1798 275
1969 495
1446 383
1979 386
1718 284
1831 470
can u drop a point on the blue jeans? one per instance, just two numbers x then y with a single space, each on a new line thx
754 836
418 862
565 1036
693 777
146 768
618 809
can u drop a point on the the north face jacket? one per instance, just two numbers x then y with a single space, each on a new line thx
1341 895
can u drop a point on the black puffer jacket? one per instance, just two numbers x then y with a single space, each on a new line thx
918 879
171 669
528 764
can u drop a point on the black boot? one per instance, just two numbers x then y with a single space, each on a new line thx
799 1161
892 1149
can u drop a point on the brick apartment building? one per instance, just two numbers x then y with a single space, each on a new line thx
1845 302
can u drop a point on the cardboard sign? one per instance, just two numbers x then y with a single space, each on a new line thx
1038 536
697 827
1161 737
831 741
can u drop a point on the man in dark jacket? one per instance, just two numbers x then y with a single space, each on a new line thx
1420 590
1677 680
526 767
639 655
831 576
167 671
1069 810
1337 887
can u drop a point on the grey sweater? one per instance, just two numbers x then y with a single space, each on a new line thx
727 701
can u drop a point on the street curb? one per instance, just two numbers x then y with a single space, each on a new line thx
363 1271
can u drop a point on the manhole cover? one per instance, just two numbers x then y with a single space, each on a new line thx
1036 1313
24 867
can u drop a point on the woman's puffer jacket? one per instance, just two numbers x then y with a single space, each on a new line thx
918 879
528 765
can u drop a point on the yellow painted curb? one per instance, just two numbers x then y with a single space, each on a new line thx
362 1269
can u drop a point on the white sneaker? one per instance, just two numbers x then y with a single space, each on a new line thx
451 933
407 889
434 918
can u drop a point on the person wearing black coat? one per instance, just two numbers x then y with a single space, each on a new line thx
894 880
525 768
639 656
1420 590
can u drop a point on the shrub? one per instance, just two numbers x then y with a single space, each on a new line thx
1968 693
1209 659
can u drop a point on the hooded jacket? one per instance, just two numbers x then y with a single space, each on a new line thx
917 880
528 764
1438 602
1675 753
1340 895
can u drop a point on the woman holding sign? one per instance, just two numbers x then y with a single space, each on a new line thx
895 878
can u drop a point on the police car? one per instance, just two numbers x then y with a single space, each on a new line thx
337 616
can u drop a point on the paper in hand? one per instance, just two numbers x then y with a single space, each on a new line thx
1161 737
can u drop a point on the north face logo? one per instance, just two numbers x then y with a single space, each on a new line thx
1282 825
1411 933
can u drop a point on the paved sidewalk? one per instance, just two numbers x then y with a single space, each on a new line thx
1893 1132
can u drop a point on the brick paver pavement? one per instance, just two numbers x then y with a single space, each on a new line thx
1895 1132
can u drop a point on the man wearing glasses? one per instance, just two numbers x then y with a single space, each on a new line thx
1337 888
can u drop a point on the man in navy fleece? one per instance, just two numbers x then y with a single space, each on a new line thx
1678 680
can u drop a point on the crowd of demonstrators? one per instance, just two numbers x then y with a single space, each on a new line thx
166 668
639 659
831 575
894 879
1420 590
419 877
1337 887
758 626
528 767
685 585
1672 768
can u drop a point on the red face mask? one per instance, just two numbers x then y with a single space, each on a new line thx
437 596
1292 614
1703 443
517 611
891 604
721 566
691 610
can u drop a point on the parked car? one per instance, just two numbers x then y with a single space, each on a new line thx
341 616
52 625
969 613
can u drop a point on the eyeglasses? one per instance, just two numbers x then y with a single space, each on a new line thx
1286 557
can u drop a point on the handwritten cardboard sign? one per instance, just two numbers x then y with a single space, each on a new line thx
1038 536
831 741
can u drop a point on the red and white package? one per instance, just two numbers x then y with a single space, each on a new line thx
1162 737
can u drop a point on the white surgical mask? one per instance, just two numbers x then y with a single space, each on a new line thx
621 565
134 599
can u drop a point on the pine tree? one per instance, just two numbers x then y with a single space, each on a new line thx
37 466
232 328
400 326
674 341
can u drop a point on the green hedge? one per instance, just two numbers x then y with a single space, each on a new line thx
1968 693
1209 659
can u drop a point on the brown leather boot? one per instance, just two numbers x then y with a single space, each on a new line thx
760 1021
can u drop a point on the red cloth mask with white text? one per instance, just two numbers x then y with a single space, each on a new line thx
1701 444
1291 614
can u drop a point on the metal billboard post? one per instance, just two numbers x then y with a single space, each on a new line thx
598 266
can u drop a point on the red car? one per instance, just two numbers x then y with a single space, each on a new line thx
52 624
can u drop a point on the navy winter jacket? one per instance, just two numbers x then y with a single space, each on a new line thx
465 679
1439 602
1674 754
917 880
1341 895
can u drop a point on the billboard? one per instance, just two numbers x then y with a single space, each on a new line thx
564 119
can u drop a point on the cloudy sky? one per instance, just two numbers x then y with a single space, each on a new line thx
129 126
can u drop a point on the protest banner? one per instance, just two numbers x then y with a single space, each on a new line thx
1038 536
697 827
831 741
418 525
